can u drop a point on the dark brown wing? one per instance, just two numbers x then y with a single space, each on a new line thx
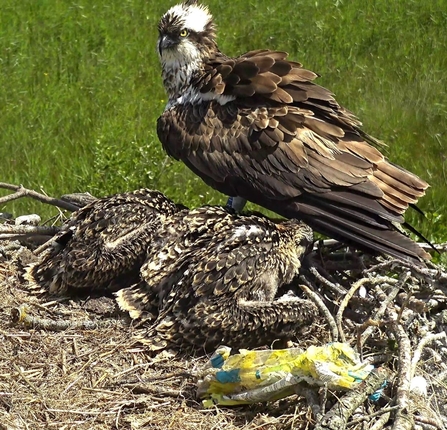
217 254
181 237
237 259
286 144
103 245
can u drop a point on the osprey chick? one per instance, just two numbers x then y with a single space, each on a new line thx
103 245
258 127
215 279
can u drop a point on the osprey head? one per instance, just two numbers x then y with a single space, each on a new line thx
186 31
186 40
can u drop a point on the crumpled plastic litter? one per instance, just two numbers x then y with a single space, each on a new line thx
260 376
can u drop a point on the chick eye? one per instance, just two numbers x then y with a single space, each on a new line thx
184 33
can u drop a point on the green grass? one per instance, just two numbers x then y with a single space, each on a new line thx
80 88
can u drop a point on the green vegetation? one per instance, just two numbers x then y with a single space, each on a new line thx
80 90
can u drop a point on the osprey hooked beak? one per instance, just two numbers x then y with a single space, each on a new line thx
165 42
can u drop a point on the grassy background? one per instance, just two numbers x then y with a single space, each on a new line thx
80 88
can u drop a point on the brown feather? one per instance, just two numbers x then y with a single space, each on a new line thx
293 149
263 63
361 148
281 96
396 184
324 128
244 90
245 69
219 281
281 68
403 176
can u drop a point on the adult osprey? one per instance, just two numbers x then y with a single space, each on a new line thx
258 127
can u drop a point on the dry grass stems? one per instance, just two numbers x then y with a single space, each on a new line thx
74 364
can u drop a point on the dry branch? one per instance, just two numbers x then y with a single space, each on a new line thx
13 232
404 420
316 299
21 192
20 315
428 338
337 418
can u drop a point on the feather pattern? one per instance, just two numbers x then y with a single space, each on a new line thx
282 141
216 279
103 245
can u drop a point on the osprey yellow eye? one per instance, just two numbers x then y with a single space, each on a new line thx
184 33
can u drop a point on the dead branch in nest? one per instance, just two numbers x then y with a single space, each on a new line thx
21 192
337 418
13 232
71 202
428 338
316 299
388 307
404 420
20 315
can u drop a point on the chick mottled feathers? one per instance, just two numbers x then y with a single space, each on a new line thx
257 126
103 245
215 280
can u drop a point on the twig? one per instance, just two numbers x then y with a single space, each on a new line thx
431 422
344 303
142 402
30 384
20 192
408 296
28 229
44 247
315 298
19 315
432 275
132 369
385 301
403 420
152 389
337 288
375 414
77 412
386 266
428 338
12 232
12 237
380 423
162 376
337 417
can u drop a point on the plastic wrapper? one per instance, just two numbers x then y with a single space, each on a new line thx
259 376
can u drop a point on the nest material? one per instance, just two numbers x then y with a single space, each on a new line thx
57 371
100 378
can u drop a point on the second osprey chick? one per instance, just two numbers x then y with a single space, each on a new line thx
216 280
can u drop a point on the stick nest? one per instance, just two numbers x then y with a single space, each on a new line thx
76 365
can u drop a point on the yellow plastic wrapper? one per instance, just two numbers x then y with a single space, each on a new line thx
259 376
